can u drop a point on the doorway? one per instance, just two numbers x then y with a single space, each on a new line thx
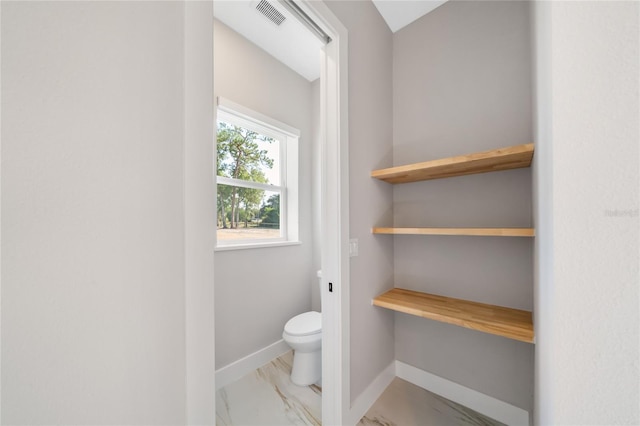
333 213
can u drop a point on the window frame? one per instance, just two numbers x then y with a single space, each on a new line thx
288 138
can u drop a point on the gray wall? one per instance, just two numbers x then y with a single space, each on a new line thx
587 130
370 132
542 213
462 83
93 213
259 290
316 192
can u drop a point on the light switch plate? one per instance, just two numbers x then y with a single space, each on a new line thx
353 247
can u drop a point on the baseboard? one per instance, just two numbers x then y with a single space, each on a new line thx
484 404
365 400
234 371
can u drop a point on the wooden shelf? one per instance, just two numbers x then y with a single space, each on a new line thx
512 157
486 232
506 322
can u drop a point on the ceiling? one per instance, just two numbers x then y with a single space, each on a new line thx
291 42
400 13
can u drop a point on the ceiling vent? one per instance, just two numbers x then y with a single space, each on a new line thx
270 12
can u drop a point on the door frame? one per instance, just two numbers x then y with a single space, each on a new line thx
334 230
336 398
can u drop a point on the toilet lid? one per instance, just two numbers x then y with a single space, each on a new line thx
304 324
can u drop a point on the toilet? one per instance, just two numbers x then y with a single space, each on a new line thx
303 333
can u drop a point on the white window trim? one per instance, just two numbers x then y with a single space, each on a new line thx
230 107
288 188
249 184
254 245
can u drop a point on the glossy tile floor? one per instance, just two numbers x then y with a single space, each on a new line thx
404 404
268 397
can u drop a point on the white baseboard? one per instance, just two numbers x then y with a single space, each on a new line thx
483 404
234 371
365 400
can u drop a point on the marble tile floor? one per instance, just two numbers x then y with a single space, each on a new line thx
268 397
404 404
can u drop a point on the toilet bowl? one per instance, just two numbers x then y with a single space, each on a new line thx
303 333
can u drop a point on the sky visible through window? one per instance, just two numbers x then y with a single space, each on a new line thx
273 151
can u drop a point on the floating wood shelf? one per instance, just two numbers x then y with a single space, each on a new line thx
487 232
512 157
506 322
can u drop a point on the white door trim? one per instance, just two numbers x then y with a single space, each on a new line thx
199 213
334 216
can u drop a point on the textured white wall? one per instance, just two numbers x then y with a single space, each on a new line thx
462 83
272 284
93 267
588 122
370 132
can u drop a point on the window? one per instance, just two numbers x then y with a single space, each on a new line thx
257 179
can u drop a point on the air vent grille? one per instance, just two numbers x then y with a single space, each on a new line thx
270 12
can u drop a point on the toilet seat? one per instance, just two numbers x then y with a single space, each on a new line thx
304 324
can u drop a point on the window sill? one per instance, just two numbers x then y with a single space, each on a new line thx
258 245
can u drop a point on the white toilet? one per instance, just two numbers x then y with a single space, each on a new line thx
304 334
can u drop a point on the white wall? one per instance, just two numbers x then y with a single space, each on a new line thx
93 214
587 295
259 290
461 84
370 132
